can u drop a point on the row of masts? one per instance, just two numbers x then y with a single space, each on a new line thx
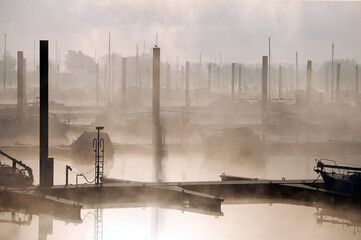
109 67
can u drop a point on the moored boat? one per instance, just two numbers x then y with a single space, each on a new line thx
339 179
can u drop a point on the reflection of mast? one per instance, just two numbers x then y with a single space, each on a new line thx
98 223
16 217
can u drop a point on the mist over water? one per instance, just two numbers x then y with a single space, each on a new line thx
101 73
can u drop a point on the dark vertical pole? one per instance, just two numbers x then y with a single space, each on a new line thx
124 84
24 84
356 81
112 85
46 164
97 83
264 90
105 81
332 73
209 76
292 79
309 81
200 71
280 81
217 78
297 102
326 90
269 67
338 79
240 79
182 78
109 70
156 108
168 78
5 62
233 65
136 68
20 88
188 102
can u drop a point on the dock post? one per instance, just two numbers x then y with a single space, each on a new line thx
157 158
233 65
46 163
280 81
124 84
20 87
239 79
338 82
264 90
209 77
168 78
309 80
24 84
356 95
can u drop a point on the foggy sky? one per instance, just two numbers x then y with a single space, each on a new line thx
237 29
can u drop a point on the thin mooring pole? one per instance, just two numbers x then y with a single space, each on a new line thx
20 88
5 62
209 76
356 68
233 65
269 67
338 82
240 79
280 81
124 84
187 100
332 73
264 90
297 100
309 80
